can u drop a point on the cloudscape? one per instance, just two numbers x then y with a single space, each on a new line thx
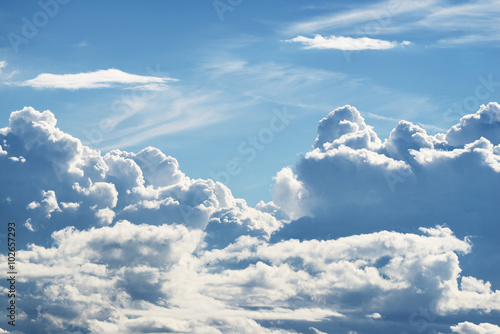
293 168
126 242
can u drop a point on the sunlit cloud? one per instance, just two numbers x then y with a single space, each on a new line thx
458 23
345 43
97 79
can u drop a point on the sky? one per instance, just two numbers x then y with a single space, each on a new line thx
236 166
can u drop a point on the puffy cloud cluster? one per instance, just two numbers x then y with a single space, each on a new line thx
351 179
127 243
484 123
50 178
140 278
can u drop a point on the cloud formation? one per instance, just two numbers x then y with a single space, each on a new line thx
345 43
352 176
470 328
458 24
127 243
97 79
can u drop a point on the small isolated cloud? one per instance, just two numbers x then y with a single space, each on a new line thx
346 43
374 316
97 79
28 225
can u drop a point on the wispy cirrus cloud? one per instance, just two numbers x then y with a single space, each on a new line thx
345 43
97 79
3 65
347 18
456 24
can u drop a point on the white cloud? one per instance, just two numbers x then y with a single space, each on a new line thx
467 39
380 11
48 204
350 164
317 331
33 205
374 316
137 277
89 189
97 79
152 250
484 123
288 193
471 328
105 216
470 20
352 180
345 43
28 225
153 114
70 206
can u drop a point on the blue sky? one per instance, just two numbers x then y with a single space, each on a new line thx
238 67
356 145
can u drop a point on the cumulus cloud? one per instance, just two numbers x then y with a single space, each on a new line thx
61 175
288 193
470 328
48 204
97 79
345 43
484 123
132 278
353 181
352 177
127 243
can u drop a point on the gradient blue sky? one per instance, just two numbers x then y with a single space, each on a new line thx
235 68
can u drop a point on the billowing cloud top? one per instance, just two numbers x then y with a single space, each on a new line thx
449 178
362 236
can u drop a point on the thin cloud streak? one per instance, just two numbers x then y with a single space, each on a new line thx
171 113
349 18
473 21
97 79
345 43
